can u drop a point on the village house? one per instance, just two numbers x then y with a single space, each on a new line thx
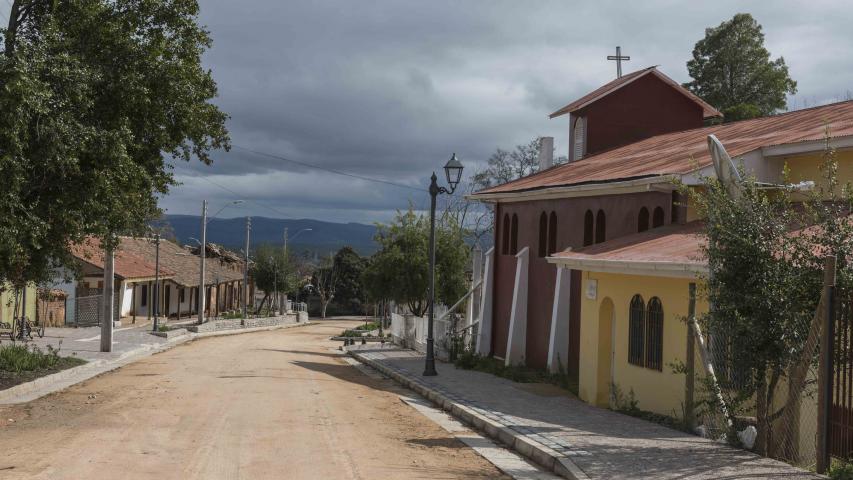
594 260
179 278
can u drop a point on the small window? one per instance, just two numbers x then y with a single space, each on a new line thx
143 297
657 218
643 220
654 335
636 331
181 295
552 233
588 227
676 206
600 227
579 139
543 234
513 242
505 230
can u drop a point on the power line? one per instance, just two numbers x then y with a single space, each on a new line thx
330 170
238 195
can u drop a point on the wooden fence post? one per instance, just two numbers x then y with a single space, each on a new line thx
825 369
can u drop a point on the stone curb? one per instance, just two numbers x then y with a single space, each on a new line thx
27 392
533 450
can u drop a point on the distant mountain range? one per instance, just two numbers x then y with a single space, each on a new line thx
322 238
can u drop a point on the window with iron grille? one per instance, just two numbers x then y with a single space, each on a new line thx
143 300
654 335
636 331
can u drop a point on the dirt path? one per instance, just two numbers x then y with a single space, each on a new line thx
264 405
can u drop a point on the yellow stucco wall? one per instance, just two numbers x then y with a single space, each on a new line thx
657 391
807 167
7 303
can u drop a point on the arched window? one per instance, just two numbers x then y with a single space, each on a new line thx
513 241
636 330
654 335
643 220
552 233
543 234
588 226
657 218
600 227
505 231
579 139
676 205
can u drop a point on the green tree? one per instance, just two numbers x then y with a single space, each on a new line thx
733 71
325 283
96 96
399 271
272 271
349 292
765 256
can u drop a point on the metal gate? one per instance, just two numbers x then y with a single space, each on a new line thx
841 410
88 310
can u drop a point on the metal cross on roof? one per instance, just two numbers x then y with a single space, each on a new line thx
618 57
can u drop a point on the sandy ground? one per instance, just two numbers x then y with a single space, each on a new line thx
277 405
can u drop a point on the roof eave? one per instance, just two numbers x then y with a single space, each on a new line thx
690 270
663 182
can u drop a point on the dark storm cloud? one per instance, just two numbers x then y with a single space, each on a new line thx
390 89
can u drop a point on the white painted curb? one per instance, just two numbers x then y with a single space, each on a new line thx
535 451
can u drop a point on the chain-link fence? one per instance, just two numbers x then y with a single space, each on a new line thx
776 417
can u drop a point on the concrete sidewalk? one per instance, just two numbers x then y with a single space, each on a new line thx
567 436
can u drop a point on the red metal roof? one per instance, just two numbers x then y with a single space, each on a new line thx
672 243
128 264
707 110
683 152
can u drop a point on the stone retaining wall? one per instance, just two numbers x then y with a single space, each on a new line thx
235 324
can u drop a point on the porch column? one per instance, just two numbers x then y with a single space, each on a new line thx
148 301
484 332
558 346
133 302
516 344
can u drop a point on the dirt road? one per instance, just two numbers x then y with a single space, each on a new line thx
278 405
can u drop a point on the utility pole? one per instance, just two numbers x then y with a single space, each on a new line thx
246 273
107 322
157 283
202 251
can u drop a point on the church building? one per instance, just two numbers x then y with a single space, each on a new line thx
594 260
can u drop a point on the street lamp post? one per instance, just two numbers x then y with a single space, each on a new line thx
453 172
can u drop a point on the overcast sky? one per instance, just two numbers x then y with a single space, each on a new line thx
390 89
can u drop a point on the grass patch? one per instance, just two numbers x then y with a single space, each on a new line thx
468 360
232 315
628 405
841 470
20 363
368 326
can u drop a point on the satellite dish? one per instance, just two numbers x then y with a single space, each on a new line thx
725 169
730 178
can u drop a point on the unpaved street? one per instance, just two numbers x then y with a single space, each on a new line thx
278 405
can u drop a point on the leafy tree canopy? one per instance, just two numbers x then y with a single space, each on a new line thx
273 270
349 292
399 271
733 71
95 97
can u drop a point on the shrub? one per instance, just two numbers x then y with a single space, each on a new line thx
20 358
